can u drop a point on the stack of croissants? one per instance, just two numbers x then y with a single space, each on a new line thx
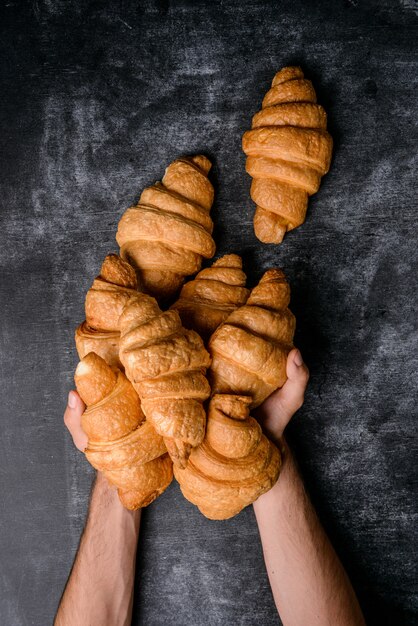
169 369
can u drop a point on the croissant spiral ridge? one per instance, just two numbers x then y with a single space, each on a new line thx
234 465
166 235
249 350
288 151
166 364
105 300
207 300
121 443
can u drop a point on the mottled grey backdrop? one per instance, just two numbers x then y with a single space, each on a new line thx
96 99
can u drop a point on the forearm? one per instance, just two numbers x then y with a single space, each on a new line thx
100 586
308 581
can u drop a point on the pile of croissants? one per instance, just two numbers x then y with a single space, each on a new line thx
169 370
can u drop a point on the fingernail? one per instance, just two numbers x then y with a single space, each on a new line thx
72 400
298 358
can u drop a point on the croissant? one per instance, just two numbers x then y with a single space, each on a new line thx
288 151
207 300
169 231
249 350
234 465
121 443
166 364
105 300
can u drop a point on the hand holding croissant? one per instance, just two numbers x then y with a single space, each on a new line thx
121 443
135 421
231 435
235 464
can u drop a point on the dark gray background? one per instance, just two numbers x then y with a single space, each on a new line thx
96 99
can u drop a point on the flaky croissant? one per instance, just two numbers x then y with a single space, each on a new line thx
121 443
288 151
249 350
234 465
207 300
105 300
166 364
168 232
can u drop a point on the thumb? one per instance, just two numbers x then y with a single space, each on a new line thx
292 393
72 420
279 408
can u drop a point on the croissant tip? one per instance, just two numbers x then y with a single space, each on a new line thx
83 367
117 270
112 256
273 274
94 378
288 72
228 260
202 162
89 362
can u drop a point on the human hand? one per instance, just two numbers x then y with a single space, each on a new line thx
278 409
72 420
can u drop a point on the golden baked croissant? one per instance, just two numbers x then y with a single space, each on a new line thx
105 300
249 350
122 444
288 152
208 299
166 364
169 231
234 465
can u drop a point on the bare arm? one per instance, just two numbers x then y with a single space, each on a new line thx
308 582
100 587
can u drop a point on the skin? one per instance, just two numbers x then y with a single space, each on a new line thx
100 586
308 582
307 579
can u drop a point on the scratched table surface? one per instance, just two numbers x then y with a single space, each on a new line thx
95 100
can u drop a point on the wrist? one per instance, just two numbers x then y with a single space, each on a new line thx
275 494
104 490
105 497
283 447
280 442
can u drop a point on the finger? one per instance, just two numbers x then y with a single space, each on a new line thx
72 419
292 394
284 402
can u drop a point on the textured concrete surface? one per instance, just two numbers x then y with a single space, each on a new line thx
96 98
